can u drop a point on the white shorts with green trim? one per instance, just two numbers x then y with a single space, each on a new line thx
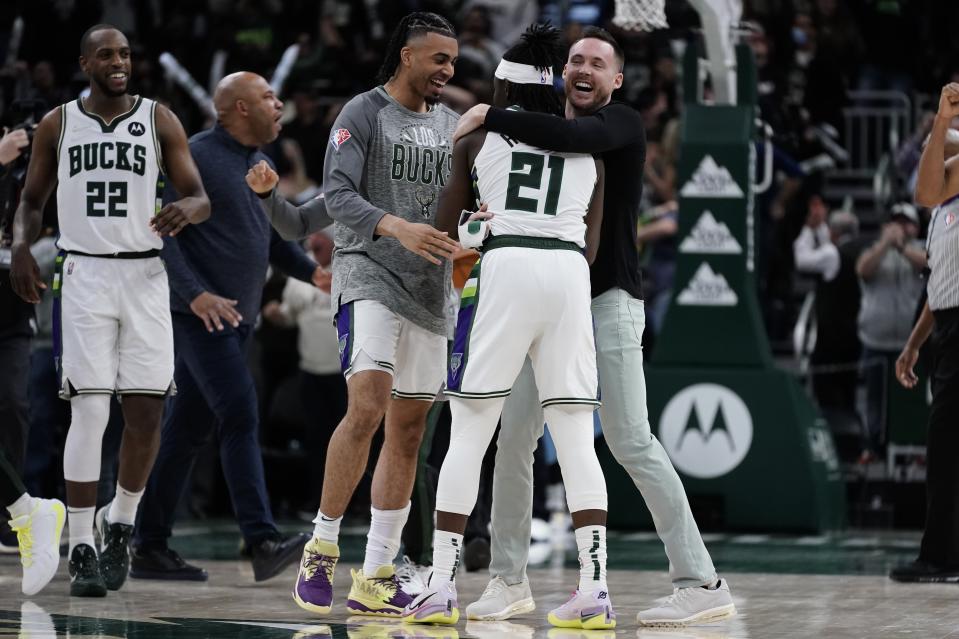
372 337
526 296
112 327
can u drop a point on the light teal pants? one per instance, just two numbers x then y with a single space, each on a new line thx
619 321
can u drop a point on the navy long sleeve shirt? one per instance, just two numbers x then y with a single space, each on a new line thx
227 255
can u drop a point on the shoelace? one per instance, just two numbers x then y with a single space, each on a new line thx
679 594
388 583
494 588
406 572
25 541
317 563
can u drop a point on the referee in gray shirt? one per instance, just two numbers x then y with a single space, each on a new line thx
938 186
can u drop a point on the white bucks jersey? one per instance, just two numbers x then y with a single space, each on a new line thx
108 174
534 192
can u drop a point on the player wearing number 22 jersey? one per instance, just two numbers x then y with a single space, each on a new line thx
104 153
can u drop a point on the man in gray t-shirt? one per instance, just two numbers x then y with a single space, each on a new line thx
388 159
890 277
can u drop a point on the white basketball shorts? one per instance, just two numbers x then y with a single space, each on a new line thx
372 337
112 327
530 299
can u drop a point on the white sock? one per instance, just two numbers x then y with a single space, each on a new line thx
81 527
23 506
327 528
447 548
123 508
591 543
383 540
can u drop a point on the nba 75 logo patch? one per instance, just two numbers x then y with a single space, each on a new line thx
339 137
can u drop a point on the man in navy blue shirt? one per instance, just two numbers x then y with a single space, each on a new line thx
217 271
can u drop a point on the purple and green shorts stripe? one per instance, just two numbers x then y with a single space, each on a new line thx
459 351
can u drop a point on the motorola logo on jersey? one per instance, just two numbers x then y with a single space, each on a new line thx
122 156
422 156
136 128
707 430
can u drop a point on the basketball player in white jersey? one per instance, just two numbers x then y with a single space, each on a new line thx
529 295
106 153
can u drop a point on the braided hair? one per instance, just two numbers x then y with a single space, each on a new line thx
539 46
412 25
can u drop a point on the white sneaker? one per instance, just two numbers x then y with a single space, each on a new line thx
501 601
691 606
39 537
412 576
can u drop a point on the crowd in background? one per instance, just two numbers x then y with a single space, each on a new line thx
809 56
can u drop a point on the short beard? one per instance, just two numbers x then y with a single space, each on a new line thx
107 91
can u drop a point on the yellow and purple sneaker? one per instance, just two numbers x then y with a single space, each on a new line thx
437 604
585 610
314 581
377 595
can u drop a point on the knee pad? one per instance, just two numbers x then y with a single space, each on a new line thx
571 428
88 422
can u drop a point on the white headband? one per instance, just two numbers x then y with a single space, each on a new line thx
523 73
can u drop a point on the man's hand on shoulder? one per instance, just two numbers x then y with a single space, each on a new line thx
470 121
214 310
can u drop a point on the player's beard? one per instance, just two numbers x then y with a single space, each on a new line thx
596 102
107 91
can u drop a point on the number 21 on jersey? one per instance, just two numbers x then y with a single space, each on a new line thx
526 172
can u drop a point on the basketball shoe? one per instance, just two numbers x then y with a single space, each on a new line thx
436 604
412 576
314 581
501 601
38 538
114 549
691 606
585 610
85 577
378 595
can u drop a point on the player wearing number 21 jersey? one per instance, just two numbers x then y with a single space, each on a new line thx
527 296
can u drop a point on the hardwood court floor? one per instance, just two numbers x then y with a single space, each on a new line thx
804 587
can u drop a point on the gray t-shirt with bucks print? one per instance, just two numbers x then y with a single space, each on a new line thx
384 158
